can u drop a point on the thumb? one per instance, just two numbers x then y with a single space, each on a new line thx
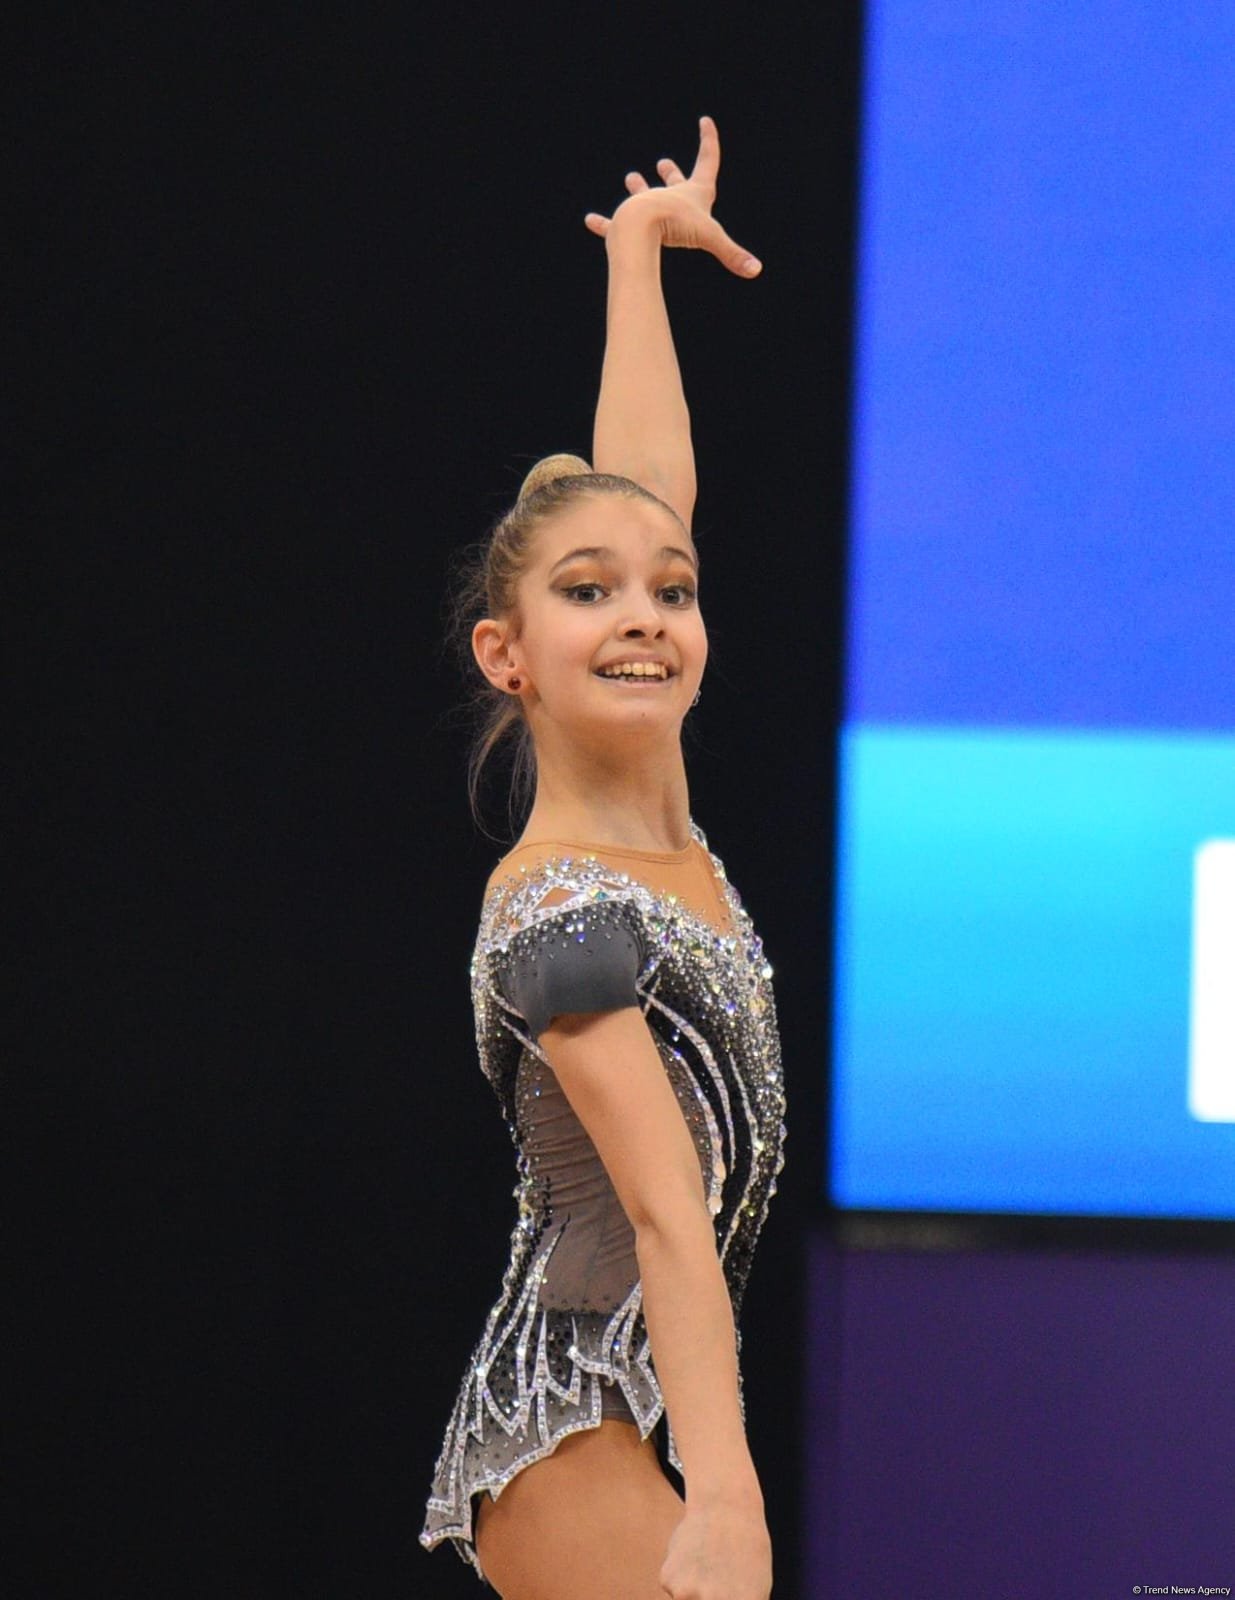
734 256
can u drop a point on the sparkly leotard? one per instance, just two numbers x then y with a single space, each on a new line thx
566 1345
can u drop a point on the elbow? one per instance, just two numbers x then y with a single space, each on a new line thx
674 1217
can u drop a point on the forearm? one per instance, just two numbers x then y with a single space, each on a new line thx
690 1324
642 428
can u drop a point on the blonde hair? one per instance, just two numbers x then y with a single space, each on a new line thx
487 586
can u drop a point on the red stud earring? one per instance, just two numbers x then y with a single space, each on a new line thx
513 683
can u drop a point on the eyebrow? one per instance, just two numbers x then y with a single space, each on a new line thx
604 553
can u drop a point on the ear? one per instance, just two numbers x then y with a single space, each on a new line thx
491 645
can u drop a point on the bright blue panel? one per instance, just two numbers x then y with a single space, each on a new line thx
1013 949
1040 673
1044 458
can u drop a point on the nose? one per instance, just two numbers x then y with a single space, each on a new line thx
642 620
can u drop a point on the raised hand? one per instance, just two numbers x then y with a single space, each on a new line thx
681 210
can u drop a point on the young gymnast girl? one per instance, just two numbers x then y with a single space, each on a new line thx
624 1014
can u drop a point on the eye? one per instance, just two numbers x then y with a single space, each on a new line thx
574 588
685 590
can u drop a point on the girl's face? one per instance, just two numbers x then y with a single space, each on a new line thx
612 582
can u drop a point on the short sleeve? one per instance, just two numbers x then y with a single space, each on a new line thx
583 959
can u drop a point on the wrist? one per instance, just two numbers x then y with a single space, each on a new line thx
637 224
736 1492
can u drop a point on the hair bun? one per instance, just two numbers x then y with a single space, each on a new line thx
551 467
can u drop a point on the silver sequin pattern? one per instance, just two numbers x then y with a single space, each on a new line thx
537 1372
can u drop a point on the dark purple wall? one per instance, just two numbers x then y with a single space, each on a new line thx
1038 1424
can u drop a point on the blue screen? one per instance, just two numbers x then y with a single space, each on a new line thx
1035 990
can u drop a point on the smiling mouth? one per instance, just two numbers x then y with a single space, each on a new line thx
644 678
635 683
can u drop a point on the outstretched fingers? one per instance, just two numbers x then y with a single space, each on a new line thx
735 256
687 220
707 162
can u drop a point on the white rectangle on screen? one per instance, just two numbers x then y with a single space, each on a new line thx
1211 1065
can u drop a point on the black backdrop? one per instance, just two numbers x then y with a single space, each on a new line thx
304 294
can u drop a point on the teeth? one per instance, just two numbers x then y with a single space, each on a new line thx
635 669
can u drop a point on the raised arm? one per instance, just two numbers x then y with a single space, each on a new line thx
642 428
612 1074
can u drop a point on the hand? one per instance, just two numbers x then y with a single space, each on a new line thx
718 1554
681 211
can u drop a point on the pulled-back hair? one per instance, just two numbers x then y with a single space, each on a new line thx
486 586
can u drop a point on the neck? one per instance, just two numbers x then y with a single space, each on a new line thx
634 797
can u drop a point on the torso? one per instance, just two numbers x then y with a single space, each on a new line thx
569 1325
